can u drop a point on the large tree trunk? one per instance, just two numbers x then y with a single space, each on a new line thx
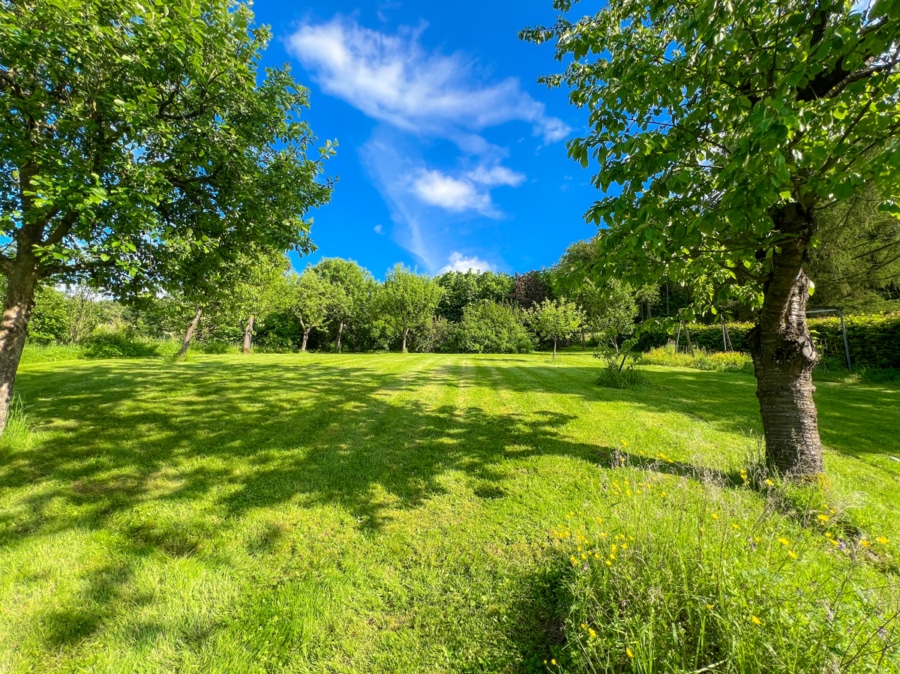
17 309
305 338
784 355
405 333
554 349
248 334
189 335
337 342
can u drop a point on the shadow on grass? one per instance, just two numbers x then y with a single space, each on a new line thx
256 434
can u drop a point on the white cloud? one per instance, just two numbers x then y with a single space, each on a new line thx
496 176
469 191
379 229
452 194
458 262
392 78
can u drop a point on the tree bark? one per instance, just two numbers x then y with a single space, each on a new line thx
189 335
17 308
784 355
305 338
405 333
337 342
554 349
248 334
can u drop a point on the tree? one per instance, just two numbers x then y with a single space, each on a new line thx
311 298
729 128
351 287
554 320
610 309
408 300
463 288
260 289
127 128
530 289
491 327
856 262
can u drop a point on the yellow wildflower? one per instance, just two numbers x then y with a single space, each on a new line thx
628 652
785 542
792 554
865 543
755 620
883 540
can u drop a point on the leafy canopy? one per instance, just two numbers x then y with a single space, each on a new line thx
708 116
554 320
132 130
409 299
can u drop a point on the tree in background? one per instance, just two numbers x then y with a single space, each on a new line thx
856 261
260 289
408 300
609 310
491 327
530 289
554 320
310 301
130 127
730 128
463 288
352 287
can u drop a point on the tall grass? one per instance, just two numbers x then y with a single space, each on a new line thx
731 361
671 576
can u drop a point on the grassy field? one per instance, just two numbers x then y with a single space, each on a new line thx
426 513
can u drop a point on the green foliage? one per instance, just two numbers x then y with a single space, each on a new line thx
555 320
855 262
619 368
874 340
462 289
52 318
610 309
352 290
116 163
437 335
408 300
310 299
718 130
490 327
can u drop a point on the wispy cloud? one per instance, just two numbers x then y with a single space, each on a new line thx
392 78
459 262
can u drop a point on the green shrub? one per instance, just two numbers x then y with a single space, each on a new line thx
491 327
617 371
874 340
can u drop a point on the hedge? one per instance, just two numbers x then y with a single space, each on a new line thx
874 339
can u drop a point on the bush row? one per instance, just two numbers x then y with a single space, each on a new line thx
874 340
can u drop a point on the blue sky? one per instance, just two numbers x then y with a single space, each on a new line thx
450 154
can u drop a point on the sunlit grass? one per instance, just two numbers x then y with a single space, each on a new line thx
311 513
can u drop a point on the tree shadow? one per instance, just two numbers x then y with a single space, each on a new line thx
251 435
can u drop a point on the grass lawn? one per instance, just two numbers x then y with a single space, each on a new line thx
388 513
